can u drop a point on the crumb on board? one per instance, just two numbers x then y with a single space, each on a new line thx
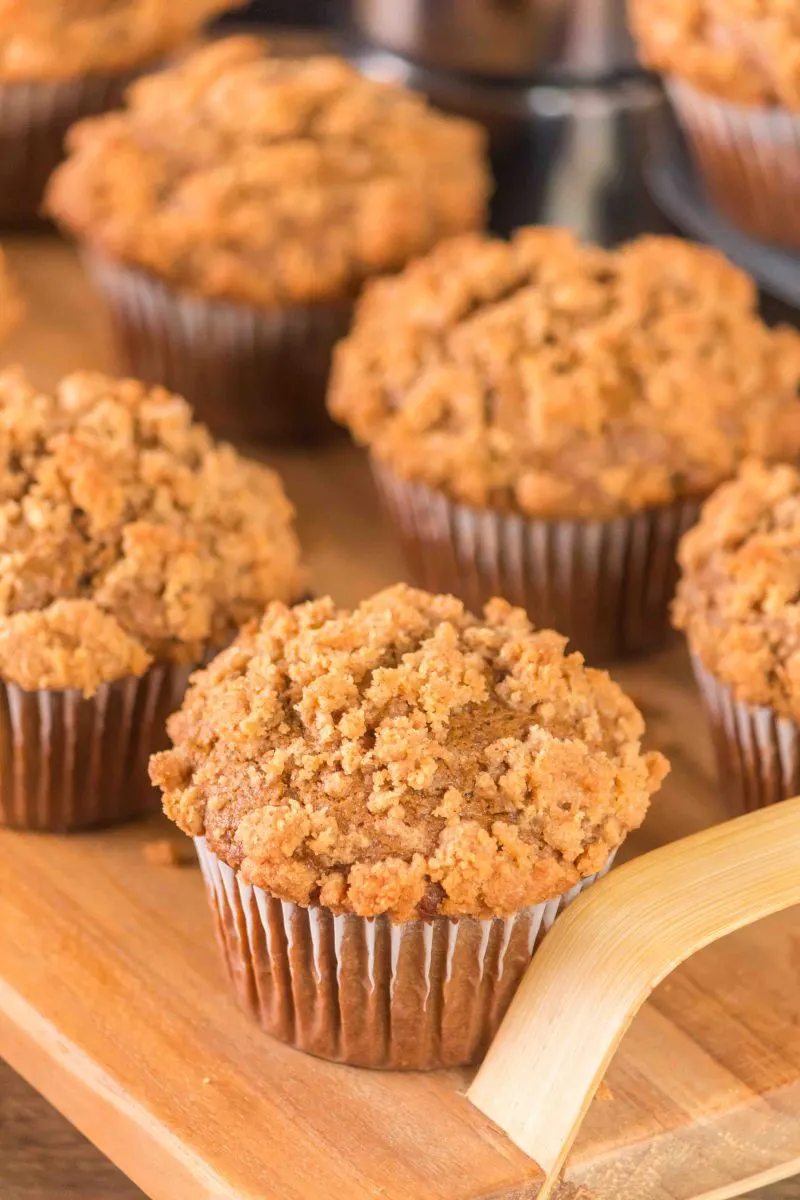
604 1092
167 852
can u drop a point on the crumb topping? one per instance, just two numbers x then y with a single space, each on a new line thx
564 380
269 180
407 757
126 533
61 39
739 597
11 305
745 51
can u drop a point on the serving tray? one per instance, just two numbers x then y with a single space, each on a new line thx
112 1003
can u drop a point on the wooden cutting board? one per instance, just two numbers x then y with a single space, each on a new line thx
112 1003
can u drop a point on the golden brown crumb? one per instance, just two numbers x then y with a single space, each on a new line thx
11 305
746 51
269 180
407 757
60 39
739 598
565 380
165 852
126 533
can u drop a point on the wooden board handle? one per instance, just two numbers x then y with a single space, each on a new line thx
606 954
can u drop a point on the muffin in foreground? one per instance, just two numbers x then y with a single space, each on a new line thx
738 603
732 75
233 210
131 547
63 61
543 418
390 807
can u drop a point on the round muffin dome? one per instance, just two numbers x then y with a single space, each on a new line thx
563 380
269 181
406 757
126 533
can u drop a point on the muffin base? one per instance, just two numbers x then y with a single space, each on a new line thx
68 762
757 751
249 373
606 585
364 991
749 159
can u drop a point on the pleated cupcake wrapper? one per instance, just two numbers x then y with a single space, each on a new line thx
249 373
34 119
749 158
364 991
68 762
757 751
606 585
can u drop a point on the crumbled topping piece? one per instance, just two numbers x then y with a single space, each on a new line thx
126 533
406 757
564 380
739 598
267 180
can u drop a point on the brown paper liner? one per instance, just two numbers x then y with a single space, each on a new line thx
757 751
417 996
249 373
34 119
606 585
68 762
749 159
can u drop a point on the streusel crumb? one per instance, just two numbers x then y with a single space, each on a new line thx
11 305
739 598
62 39
407 757
269 180
126 533
746 51
564 380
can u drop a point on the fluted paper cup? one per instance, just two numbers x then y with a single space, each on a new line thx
68 762
749 159
757 750
364 991
249 373
607 585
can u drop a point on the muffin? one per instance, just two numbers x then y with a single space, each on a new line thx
732 74
131 548
739 604
63 61
232 211
543 418
390 806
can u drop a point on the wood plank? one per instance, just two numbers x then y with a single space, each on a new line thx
113 1004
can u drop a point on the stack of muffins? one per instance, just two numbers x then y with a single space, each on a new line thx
390 804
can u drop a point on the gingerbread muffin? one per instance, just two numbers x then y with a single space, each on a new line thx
63 61
390 806
233 210
739 605
543 418
131 548
732 70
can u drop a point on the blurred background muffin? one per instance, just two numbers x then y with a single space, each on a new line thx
131 547
544 417
232 211
60 61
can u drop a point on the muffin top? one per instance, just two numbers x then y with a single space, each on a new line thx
739 596
745 51
11 305
60 39
126 534
269 180
407 757
562 380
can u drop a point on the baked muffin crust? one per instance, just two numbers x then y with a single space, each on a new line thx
126 534
745 51
564 380
406 757
269 180
61 39
739 598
